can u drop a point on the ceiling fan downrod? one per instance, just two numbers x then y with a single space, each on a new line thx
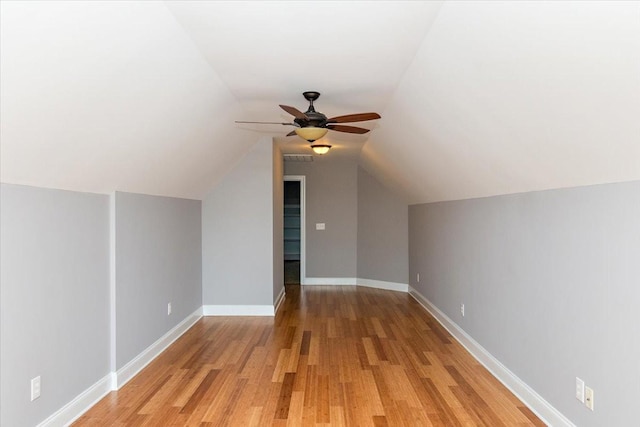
311 96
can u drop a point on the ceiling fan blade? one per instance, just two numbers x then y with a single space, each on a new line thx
294 112
360 117
348 129
293 132
268 123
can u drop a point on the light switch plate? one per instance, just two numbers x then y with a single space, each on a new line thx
35 388
320 226
579 389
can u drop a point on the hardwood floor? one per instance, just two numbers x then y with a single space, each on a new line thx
332 356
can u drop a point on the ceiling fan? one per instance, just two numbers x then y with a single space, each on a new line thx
313 125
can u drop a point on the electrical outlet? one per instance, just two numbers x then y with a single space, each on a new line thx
462 309
579 389
418 278
35 388
588 397
169 309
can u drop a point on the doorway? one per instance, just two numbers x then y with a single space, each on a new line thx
294 230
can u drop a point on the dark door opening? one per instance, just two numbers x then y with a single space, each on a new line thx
292 232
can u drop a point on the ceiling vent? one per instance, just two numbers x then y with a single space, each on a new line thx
298 157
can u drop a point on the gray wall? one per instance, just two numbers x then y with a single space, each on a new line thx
278 222
383 227
237 233
331 198
158 260
550 282
54 304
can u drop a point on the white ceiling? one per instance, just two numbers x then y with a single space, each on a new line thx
478 98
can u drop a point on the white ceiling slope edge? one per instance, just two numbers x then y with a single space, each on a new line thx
478 98
105 96
508 97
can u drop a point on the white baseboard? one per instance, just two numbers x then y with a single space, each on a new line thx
128 371
379 284
543 409
356 281
238 310
279 300
78 406
330 281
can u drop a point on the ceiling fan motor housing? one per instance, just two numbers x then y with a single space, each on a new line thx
314 119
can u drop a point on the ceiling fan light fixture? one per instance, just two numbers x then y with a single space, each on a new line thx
320 148
311 133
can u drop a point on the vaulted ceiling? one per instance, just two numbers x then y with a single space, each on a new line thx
477 98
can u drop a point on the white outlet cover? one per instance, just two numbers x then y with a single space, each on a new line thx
320 226
168 309
579 389
462 309
588 397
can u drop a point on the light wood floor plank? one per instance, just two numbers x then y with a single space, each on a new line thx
338 356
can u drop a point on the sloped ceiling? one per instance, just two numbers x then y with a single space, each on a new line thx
477 98
507 97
